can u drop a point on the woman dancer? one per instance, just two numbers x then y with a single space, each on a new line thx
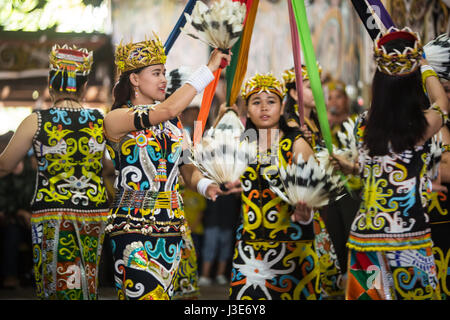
390 240
330 270
145 141
274 255
69 207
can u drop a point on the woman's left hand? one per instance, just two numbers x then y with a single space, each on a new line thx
302 213
213 191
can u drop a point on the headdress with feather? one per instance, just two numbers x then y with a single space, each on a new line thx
437 53
263 83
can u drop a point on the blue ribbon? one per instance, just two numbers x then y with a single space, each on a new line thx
180 23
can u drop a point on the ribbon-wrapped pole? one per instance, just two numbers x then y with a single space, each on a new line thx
373 15
297 61
299 10
180 23
207 99
238 66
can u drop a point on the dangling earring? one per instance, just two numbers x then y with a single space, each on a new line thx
136 92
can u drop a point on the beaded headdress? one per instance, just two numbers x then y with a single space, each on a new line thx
289 74
70 60
336 85
140 54
396 62
263 82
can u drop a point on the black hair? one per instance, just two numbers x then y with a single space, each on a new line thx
59 82
396 117
289 106
123 89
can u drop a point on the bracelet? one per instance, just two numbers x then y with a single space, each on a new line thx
202 185
444 115
200 78
425 68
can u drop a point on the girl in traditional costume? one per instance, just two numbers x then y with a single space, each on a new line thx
274 256
145 140
390 239
69 207
438 210
330 270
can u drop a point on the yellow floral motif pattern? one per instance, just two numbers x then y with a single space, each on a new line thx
69 147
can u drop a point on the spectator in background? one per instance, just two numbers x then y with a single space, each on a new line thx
339 215
220 221
16 192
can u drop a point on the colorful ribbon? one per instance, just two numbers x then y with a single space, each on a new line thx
297 62
238 65
299 12
373 15
180 23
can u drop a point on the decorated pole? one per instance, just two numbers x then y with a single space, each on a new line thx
373 15
238 67
299 11
180 23
297 62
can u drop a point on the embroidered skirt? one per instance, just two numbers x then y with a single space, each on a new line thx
441 250
275 271
330 272
392 275
186 278
66 253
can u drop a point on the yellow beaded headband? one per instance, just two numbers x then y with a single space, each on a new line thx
260 83
70 60
396 62
141 54
336 85
289 74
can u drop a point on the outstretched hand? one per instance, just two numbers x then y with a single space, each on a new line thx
213 190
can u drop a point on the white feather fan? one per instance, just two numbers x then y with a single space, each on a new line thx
347 140
221 155
437 53
435 156
308 182
219 26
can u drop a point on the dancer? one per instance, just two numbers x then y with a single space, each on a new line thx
274 256
330 271
438 210
69 207
311 129
145 140
339 215
390 240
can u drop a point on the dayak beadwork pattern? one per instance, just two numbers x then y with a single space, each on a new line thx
392 215
147 218
274 258
439 211
69 205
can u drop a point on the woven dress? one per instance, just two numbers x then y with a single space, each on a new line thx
439 211
274 258
69 207
390 242
147 218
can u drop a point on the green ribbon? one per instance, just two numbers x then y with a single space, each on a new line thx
313 72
